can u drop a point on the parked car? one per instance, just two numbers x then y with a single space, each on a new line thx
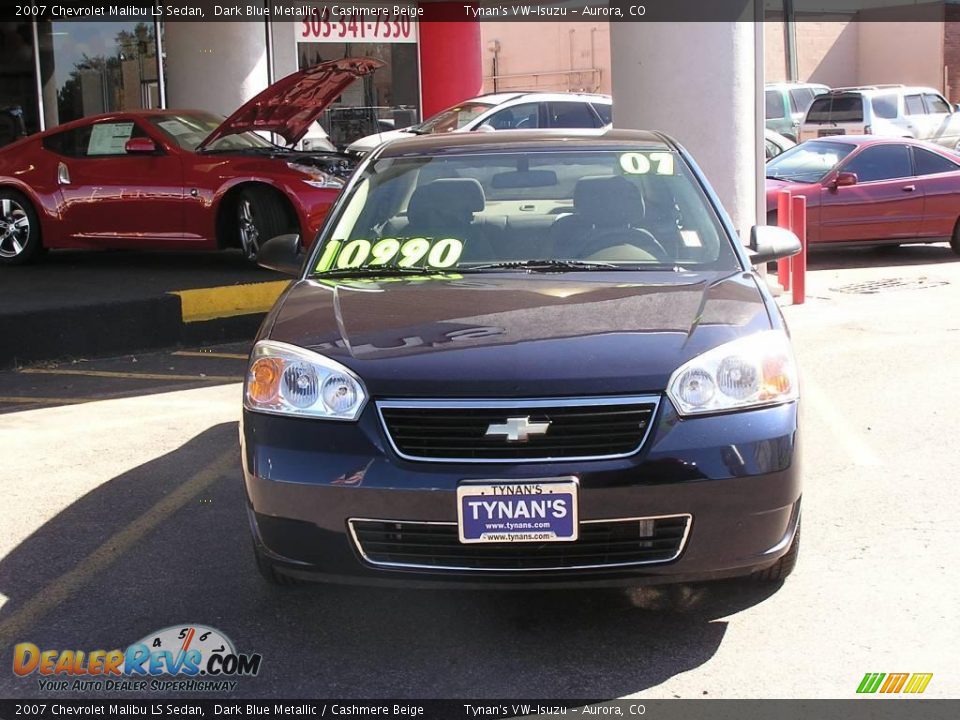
505 111
890 110
787 103
176 179
524 357
775 143
871 190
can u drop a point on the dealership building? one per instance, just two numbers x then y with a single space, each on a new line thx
60 70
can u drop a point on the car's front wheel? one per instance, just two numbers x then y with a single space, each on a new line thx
955 240
260 216
268 569
19 229
785 565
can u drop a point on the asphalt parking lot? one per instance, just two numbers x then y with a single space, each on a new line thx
123 514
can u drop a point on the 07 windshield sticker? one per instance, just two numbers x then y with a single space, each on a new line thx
429 253
656 163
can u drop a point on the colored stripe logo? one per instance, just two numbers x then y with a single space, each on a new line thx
912 683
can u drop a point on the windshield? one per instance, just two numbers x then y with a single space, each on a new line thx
452 118
809 161
525 211
188 131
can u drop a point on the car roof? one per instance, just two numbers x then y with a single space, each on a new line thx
862 140
873 90
559 139
538 95
122 115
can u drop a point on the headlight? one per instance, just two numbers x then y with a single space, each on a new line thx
750 372
318 178
287 380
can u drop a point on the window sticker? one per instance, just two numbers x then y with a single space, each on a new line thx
430 253
691 238
643 163
176 128
109 138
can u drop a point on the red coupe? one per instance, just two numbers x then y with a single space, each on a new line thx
864 190
177 179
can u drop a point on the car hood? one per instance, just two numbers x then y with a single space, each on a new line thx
290 105
773 188
513 335
369 142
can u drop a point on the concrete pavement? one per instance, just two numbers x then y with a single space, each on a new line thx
125 515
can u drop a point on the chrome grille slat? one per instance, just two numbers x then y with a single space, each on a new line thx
602 544
579 429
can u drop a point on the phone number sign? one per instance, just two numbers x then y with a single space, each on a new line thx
358 24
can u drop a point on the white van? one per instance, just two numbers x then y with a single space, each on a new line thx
921 113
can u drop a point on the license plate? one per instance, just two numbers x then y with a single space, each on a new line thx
831 131
530 511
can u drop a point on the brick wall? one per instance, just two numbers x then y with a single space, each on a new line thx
951 51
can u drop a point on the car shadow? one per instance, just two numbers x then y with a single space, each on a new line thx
889 256
169 545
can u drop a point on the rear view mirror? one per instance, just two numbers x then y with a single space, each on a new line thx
769 242
283 253
140 146
844 179
524 179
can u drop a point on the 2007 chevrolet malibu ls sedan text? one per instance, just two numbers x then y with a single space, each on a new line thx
524 359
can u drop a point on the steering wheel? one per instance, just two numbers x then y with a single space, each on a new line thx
612 237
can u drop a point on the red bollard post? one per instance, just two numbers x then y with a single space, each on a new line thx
800 259
784 220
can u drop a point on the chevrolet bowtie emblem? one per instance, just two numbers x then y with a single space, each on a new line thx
517 429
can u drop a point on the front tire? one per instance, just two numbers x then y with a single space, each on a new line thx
784 566
19 229
260 216
955 240
268 570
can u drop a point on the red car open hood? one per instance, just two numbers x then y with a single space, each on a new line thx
291 104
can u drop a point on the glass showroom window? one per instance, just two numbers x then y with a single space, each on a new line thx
88 68
18 87
388 99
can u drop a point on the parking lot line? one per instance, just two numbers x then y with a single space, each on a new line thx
200 353
60 589
132 375
41 400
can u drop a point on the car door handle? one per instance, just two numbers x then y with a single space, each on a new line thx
909 188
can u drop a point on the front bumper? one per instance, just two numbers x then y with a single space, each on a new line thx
737 476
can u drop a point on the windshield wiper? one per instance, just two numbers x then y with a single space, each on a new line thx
544 266
381 271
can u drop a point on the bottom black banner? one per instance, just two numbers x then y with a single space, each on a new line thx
874 709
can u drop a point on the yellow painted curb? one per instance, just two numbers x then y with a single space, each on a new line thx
229 300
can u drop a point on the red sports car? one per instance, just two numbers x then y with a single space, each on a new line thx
177 179
871 190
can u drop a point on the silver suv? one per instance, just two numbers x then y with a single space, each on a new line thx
921 113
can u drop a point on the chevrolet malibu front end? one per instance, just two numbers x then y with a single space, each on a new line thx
538 360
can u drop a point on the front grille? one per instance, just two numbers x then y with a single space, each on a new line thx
577 429
602 544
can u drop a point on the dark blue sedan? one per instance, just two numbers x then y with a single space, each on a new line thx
524 359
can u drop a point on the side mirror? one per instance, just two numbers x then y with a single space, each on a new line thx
283 253
844 179
769 242
140 146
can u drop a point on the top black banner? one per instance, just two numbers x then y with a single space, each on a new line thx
485 10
